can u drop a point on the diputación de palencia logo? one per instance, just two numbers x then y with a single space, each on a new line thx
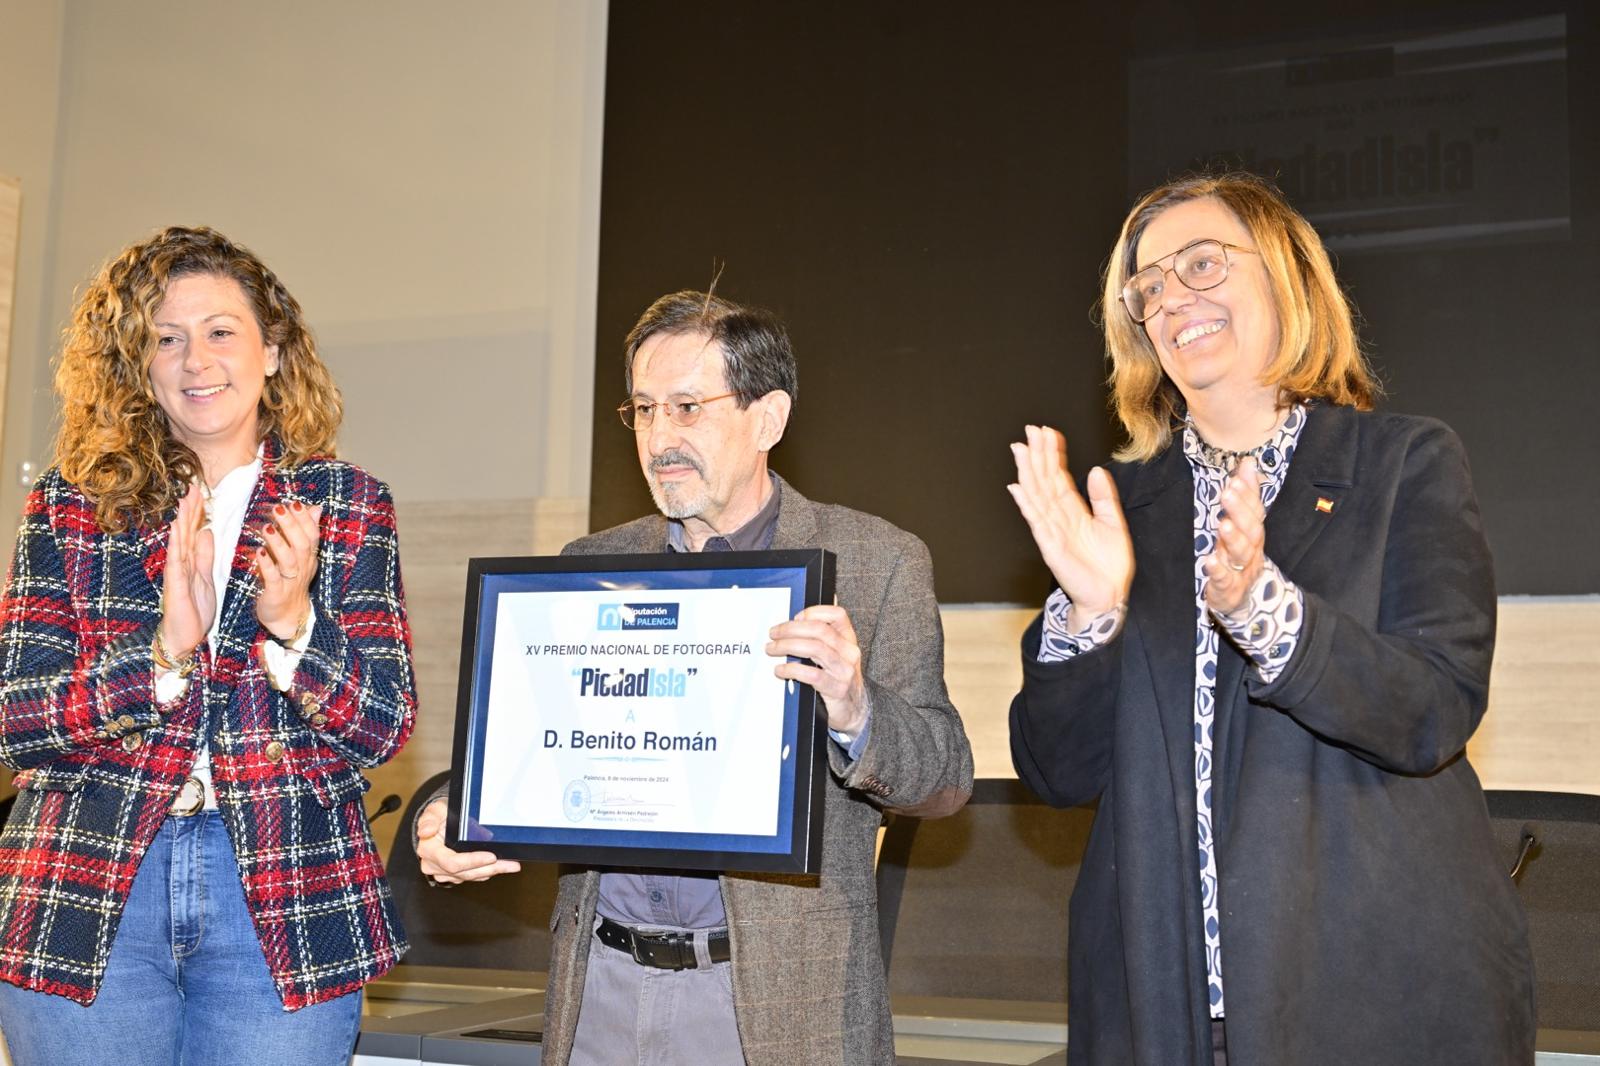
615 616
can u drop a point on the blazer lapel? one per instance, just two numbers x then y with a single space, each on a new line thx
238 626
1321 476
797 520
648 537
1160 512
1317 485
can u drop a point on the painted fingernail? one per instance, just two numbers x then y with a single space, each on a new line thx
280 509
297 505
269 530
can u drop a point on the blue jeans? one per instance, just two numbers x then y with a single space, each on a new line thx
187 984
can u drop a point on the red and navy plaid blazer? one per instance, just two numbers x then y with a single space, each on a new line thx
100 762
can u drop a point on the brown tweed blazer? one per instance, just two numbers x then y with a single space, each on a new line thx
808 981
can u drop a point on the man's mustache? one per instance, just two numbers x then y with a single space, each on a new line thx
676 458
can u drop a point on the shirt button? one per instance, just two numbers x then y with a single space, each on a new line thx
126 722
132 742
319 720
273 751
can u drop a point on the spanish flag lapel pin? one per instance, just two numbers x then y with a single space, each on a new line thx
1324 505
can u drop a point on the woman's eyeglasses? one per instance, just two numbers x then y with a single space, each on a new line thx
1200 266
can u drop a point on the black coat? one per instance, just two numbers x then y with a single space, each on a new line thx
1366 915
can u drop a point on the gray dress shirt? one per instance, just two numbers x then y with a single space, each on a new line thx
678 899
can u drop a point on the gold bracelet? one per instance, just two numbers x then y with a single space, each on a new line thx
299 631
184 665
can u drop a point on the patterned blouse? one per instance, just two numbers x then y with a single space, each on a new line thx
1266 629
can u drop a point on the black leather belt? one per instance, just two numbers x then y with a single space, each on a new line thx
664 951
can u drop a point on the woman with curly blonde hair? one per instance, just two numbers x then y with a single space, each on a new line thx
203 637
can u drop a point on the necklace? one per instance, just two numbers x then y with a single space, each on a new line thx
1269 454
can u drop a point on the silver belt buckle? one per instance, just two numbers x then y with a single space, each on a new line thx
191 798
657 946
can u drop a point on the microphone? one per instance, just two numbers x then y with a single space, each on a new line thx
1530 840
389 805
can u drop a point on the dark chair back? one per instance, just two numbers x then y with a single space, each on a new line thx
502 923
974 906
1560 887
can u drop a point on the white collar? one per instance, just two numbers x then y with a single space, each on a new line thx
232 493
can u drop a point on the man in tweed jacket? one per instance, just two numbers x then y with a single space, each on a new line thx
711 387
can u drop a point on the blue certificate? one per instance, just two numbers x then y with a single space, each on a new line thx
622 710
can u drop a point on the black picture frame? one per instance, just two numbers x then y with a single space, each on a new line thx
795 847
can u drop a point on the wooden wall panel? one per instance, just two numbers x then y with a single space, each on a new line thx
1543 726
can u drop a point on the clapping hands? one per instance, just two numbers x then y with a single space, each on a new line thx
1084 543
286 563
1232 569
189 593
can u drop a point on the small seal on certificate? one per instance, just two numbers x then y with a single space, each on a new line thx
575 800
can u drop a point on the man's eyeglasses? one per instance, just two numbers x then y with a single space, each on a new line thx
1200 266
641 414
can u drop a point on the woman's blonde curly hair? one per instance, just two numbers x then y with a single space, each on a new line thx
115 443
1319 355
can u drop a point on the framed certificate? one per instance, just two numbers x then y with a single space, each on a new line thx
621 710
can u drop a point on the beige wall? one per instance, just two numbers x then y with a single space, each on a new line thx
426 180
424 177
10 220
30 79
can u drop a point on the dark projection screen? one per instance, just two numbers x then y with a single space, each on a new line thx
926 193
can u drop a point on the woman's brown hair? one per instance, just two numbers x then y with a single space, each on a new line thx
115 443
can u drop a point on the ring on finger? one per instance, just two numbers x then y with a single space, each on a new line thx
1231 566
